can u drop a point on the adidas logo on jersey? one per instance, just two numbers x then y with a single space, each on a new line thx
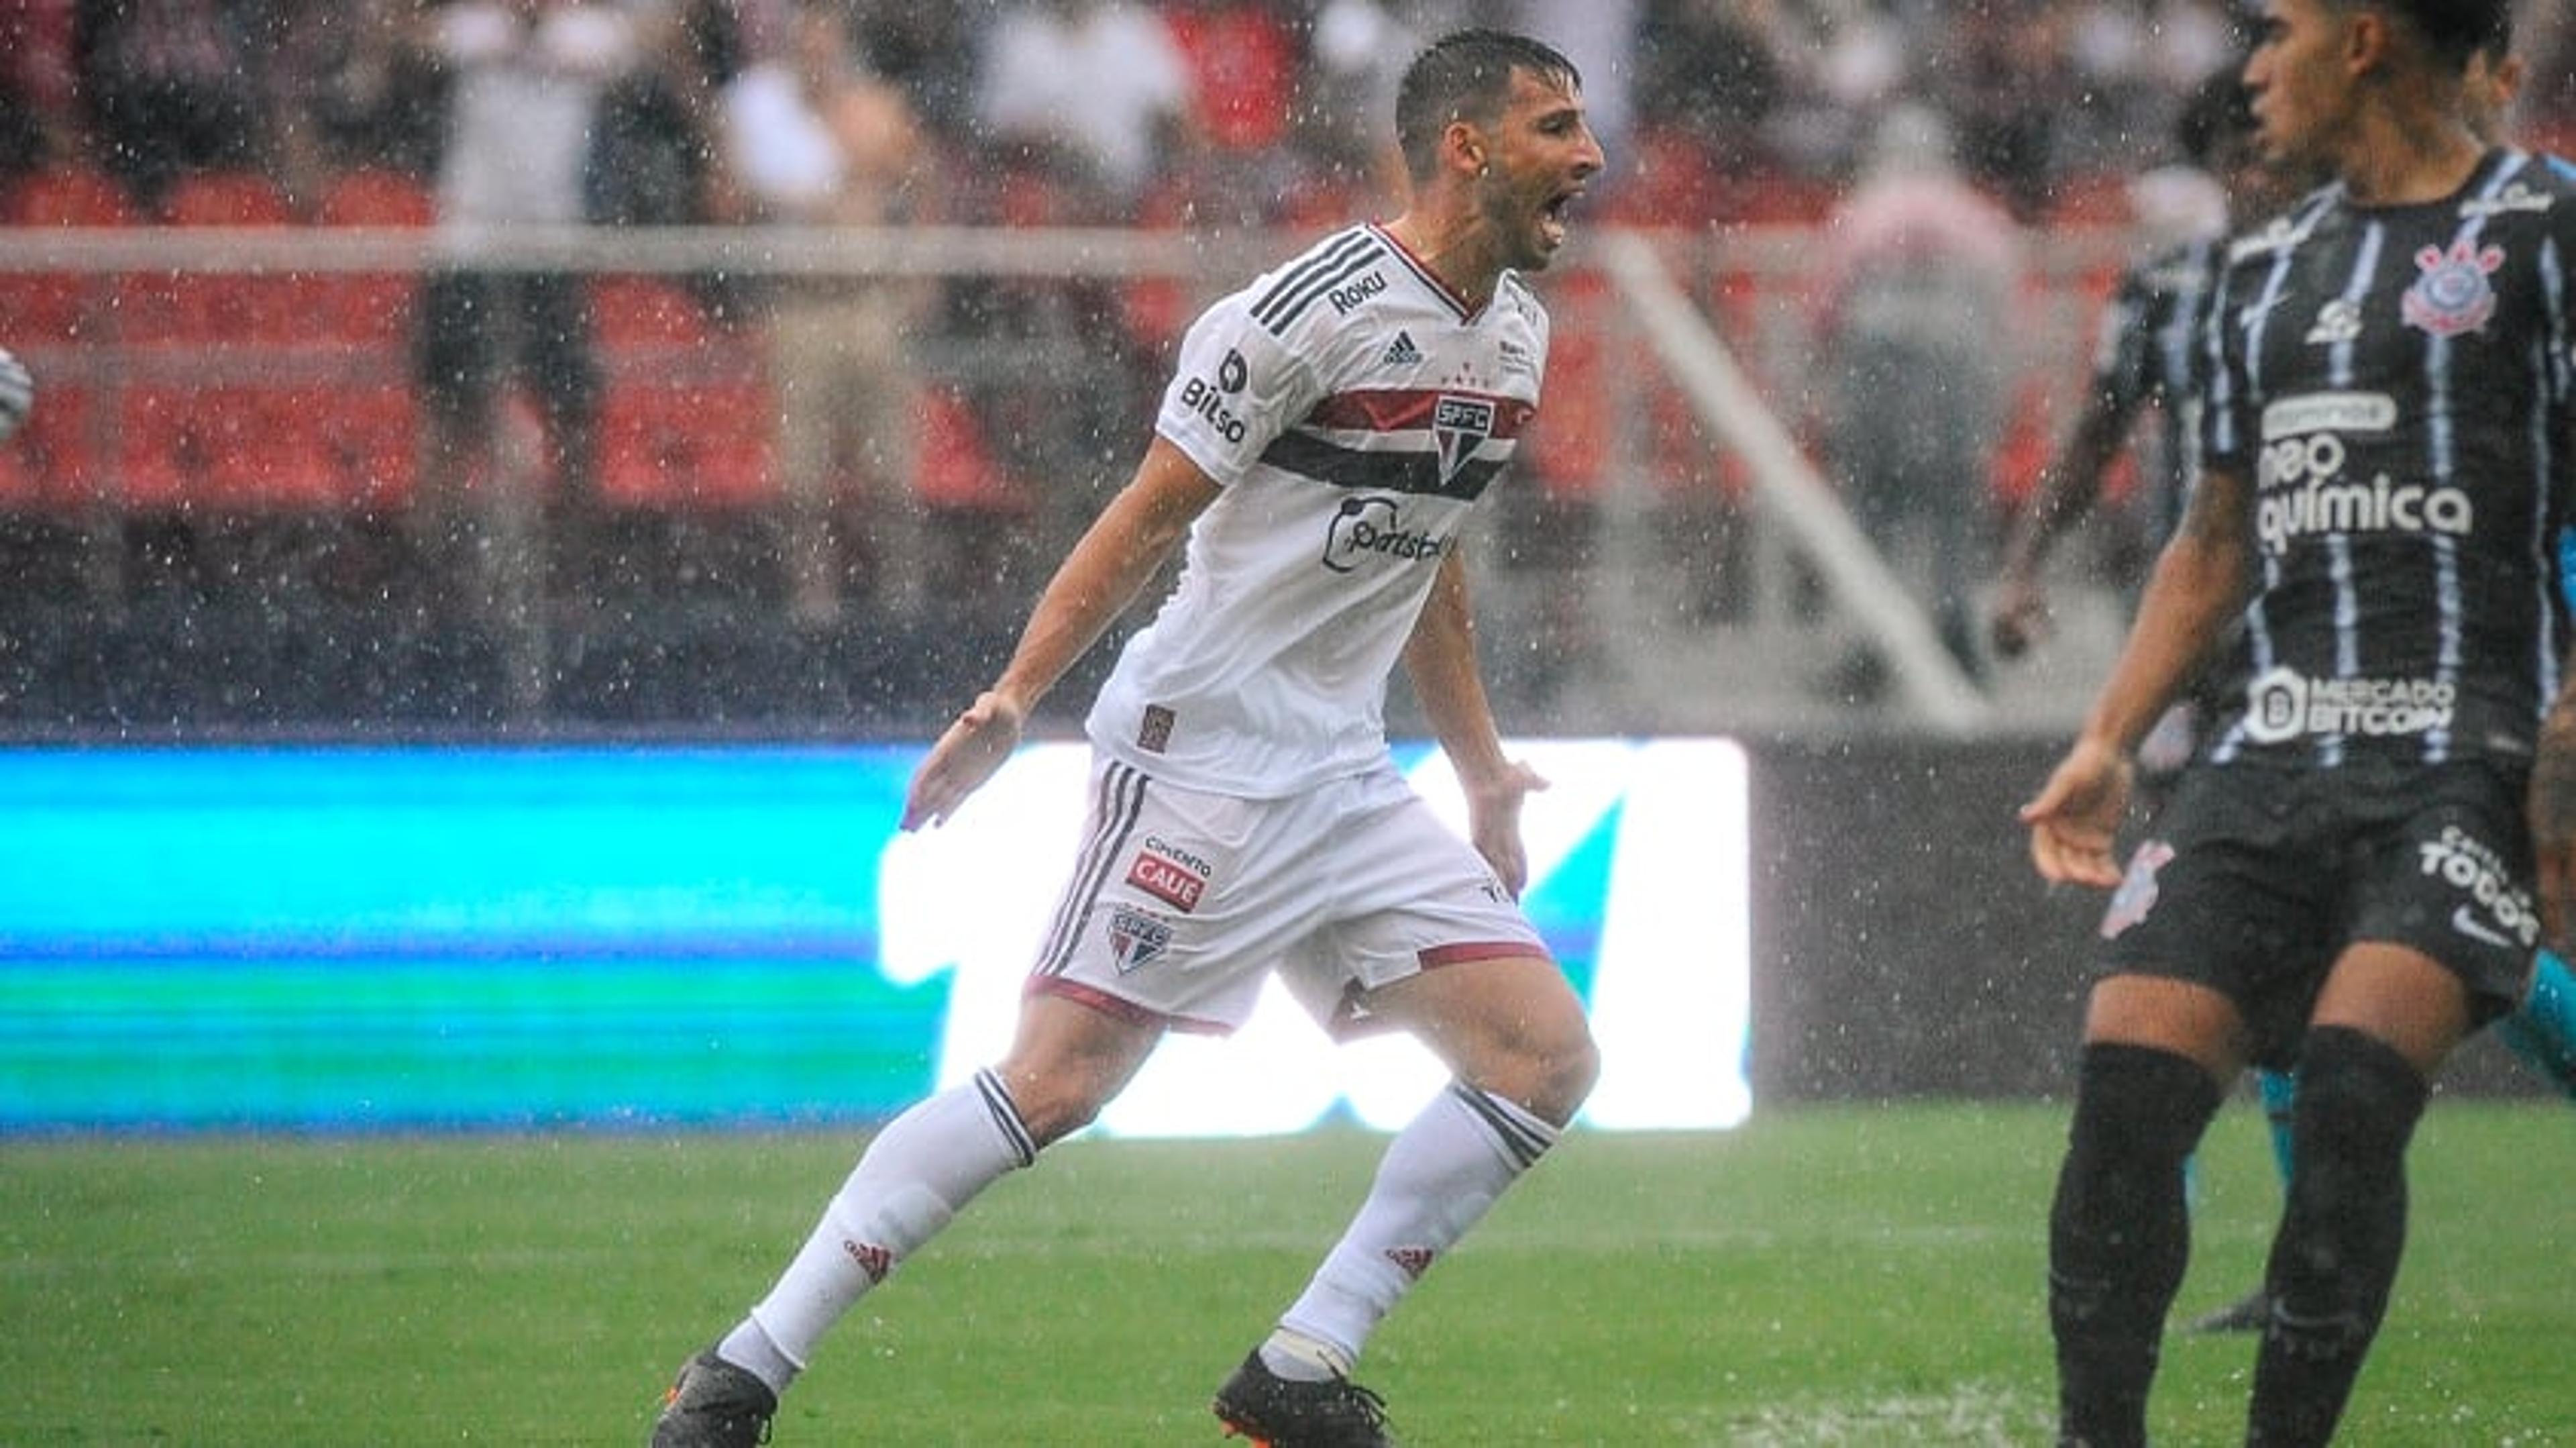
1401 352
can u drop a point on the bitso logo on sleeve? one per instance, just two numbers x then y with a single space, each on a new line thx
1211 400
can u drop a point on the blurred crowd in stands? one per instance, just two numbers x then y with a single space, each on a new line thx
878 467
1119 110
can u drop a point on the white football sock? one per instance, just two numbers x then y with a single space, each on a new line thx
927 1164
1439 1176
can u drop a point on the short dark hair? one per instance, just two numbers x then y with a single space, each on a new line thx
2455 29
1465 76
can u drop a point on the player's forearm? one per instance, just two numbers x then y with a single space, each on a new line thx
1440 659
1113 561
2199 583
2067 491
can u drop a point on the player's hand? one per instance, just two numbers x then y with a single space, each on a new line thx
2076 816
967 755
2019 618
1494 822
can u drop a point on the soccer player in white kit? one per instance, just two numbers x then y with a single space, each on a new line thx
1316 455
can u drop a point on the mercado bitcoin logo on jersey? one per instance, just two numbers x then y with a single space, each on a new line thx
2282 704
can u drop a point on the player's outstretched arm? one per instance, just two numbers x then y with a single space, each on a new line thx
2199 583
1440 658
1111 563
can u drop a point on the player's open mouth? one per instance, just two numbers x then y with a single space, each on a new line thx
1552 216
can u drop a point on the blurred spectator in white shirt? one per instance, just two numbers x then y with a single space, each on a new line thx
1098 85
1918 280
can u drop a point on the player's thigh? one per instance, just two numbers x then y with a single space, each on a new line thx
2167 1013
2399 996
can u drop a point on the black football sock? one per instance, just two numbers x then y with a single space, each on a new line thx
2119 1233
2335 1257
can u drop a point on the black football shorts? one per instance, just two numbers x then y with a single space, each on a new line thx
2256 878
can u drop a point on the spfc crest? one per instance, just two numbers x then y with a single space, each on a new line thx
1136 939
1459 426
2453 295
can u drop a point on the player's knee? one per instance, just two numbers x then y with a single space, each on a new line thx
2140 1103
2358 1097
1052 1112
1055 1100
1562 1066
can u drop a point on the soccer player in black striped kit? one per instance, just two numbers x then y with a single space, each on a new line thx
2353 876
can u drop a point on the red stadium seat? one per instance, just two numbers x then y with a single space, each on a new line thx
1674 181
686 445
1245 59
226 198
222 307
954 467
365 443
66 195
1576 432
167 440
646 311
372 307
55 457
687 420
2094 199
373 196
60 306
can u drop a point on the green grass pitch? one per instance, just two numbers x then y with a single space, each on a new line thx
1866 1275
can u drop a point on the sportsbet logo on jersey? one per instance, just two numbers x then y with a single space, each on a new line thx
1373 528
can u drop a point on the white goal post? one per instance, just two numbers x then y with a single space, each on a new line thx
1927 678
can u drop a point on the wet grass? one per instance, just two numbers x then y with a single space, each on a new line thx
1859 1275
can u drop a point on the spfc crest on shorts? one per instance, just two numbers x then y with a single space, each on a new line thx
1136 939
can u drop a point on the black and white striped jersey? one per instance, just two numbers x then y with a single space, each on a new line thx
2394 384
2149 352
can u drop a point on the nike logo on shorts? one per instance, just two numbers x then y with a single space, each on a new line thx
2474 928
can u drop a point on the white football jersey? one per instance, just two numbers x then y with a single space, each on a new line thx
1353 408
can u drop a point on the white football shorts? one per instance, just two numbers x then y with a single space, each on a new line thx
1182 901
